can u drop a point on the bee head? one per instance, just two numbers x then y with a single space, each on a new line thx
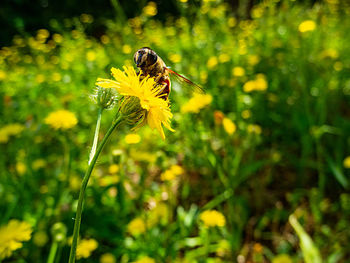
145 57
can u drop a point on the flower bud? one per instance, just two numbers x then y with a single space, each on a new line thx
104 97
59 232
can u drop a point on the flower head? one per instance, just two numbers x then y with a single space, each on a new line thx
61 119
12 235
145 260
136 226
212 218
142 102
85 248
307 25
196 103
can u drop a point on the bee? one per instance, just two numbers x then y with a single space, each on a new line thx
152 65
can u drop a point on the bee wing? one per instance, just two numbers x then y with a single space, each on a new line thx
185 82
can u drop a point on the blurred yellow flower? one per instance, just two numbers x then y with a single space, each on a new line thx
307 25
145 260
91 55
38 164
154 109
132 138
172 173
175 58
40 78
136 227
74 182
9 130
2 74
105 39
254 128
86 247
108 180
253 60
126 49
150 9
40 238
346 162
61 119
224 57
86 18
196 103
56 76
21 168
223 248
229 126
238 72
12 235
113 168
259 84
246 114
108 258
232 21
212 62
282 258
212 218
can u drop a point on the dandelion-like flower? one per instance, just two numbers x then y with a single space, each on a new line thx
12 235
145 260
61 119
142 102
212 218
137 226
85 248
196 103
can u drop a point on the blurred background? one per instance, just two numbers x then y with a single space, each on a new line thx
258 169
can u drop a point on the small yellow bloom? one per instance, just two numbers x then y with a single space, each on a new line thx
9 130
224 57
307 25
212 62
12 235
132 138
246 114
154 109
108 180
145 260
150 9
56 76
196 103
40 238
175 58
61 119
229 126
38 164
212 218
136 227
126 49
232 21
113 168
57 38
254 128
346 162
86 18
259 84
238 72
3 75
172 173
91 55
108 258
40 78
21 168
253 60
86 247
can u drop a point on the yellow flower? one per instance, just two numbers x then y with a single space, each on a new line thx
196 103
154 108
136 227
259 84
212 218
175 58
254 128
38 164
212 62
238 72
282 258
40 238
346 162
145 260
108 258
229 126
85 247
12 235
113 168
91 55
132 138
172 173
108 180
150 9
61 119
246 114
126 49
307 25
21 168
10 130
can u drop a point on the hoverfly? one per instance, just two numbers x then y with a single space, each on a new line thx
152 65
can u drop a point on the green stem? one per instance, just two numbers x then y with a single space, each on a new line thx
52 253
84 183
97 131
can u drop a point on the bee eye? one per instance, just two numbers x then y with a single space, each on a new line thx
152 58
